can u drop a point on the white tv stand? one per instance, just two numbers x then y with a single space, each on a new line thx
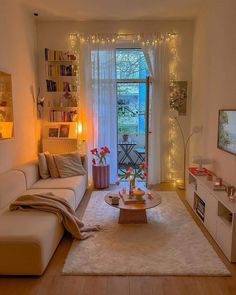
215 211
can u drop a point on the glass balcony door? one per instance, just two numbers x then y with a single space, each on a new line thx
131 72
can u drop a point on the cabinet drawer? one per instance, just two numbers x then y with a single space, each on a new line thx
190 195
201 191
224 237
211 214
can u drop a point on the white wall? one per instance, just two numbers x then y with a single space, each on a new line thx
214 86
17 56
55 35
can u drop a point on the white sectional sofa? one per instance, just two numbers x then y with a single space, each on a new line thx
28 239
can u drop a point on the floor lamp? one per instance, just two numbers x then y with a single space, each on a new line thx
196 129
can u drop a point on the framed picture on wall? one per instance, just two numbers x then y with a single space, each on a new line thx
64 130
53 132
178 96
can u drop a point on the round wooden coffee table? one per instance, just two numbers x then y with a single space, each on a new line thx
134 213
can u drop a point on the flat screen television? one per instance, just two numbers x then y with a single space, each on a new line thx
227 131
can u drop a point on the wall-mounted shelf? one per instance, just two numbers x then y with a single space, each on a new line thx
61 106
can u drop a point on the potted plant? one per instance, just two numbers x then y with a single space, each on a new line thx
100 169
125 137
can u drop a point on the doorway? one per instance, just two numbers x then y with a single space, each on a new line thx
132 109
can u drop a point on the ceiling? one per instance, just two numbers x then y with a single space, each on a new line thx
87 10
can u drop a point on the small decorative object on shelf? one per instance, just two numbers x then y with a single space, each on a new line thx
209 176
218 185
101 170
218 181
132 174
231 193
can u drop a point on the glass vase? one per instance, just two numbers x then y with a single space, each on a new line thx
131 185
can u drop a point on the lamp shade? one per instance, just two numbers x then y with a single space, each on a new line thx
201 161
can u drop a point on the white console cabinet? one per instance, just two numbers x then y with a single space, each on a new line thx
216 212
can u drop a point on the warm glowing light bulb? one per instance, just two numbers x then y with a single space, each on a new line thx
80 128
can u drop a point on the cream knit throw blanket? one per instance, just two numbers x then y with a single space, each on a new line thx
50 203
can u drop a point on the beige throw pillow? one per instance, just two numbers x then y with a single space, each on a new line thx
52 167
69 165
43 166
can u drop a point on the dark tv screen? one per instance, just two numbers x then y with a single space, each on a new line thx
227 131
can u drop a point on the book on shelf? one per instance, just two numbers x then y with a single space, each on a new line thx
51 86
58 55
55 70
200 214
63 86
62 116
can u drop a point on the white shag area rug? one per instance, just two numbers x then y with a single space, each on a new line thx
170 244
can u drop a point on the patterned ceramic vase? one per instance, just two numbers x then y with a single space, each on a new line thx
101 176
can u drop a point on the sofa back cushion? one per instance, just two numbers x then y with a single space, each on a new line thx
52 167
31 172
69 164
12 185
43 166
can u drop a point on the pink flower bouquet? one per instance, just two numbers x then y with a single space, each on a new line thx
100 156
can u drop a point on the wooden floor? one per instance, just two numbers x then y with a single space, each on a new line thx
53 283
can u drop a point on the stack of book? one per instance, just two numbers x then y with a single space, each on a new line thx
130 200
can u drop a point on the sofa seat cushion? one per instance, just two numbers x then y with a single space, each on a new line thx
28 240
66 194
76 183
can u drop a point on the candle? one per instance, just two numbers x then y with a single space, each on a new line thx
218 181
149 194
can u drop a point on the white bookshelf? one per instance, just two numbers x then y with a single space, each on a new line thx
58 109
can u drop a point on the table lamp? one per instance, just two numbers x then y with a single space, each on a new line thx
201 161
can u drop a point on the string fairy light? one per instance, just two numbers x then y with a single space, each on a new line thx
173 77
146 40
153 39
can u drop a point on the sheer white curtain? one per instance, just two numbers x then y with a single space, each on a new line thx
158 59
98 89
